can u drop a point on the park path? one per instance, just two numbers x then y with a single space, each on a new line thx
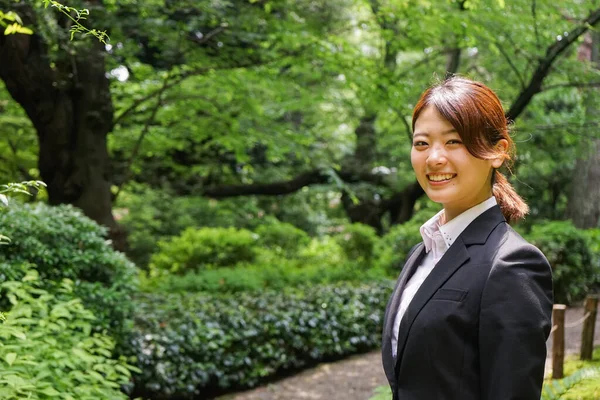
356 377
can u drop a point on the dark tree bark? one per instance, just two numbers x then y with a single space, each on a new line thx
584 201
71 109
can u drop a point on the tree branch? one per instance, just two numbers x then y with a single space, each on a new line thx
535 84
511 64
177 80
138 143
286 187
535 26
571 84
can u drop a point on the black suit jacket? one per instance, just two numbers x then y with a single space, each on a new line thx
477 327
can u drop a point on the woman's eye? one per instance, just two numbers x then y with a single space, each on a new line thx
419 143
454 141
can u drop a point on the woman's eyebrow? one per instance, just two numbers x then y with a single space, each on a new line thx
446 132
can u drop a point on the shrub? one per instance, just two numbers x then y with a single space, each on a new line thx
191 346
568 251
62 243
282 238
48 350
197 249
358 242
151 215
324 252
258 277
394 246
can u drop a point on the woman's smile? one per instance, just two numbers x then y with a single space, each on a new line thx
438 179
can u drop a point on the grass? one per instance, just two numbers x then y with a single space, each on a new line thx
581 381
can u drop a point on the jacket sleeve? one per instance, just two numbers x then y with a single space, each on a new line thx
514 324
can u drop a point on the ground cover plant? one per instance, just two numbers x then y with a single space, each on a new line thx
48 349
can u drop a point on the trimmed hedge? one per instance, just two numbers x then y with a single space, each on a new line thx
190 346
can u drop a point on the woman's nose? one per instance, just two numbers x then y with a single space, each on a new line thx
437 156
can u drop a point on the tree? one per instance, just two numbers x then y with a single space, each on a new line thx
68 101
584 202
268 97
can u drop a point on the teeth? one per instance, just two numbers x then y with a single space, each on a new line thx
437 178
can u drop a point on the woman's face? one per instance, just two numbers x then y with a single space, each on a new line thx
445 169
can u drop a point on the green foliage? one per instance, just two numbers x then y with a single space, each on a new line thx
77 15
580 382
62 243
12 188
557 390
151 215
48 350
191 345
259 276
324 252
281 238
13 24
394 246
381 393
197 249
568 251
358 242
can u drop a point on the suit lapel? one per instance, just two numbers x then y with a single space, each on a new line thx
409 267
455 257
452 260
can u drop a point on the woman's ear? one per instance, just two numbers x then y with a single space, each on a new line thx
501 150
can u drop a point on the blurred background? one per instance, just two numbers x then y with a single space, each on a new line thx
249 162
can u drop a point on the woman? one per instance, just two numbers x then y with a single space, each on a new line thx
470 314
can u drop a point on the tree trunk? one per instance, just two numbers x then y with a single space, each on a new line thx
70 106
584 203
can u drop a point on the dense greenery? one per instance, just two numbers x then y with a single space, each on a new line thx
64 244
192 345
251 159
580 382
574 265
49 350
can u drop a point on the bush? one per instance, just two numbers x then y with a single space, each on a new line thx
358 242
281 238
151 215
324 252
394 246
257 277
48 350
197 249
191 346
568 251
62 243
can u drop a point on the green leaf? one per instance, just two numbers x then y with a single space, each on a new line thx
10 358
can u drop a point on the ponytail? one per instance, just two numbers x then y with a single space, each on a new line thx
512 205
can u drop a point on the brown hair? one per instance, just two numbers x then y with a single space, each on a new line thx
476 113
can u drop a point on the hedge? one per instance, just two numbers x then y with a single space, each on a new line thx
194 345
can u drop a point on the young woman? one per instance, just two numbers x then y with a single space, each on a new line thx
470 314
